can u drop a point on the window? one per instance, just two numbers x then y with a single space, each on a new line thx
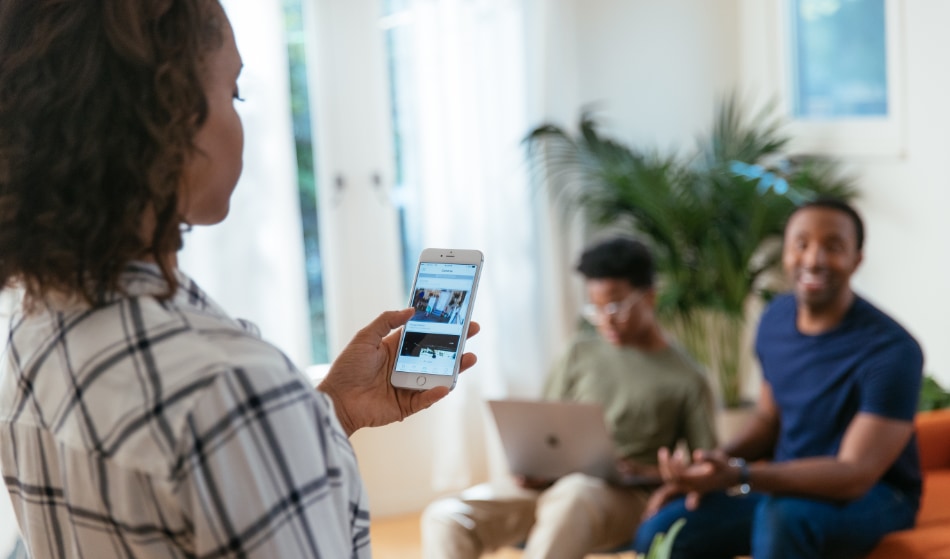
839 59
306 177
835 69
396 25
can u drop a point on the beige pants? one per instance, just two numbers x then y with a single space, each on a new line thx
577 515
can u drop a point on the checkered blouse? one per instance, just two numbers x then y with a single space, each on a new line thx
167 429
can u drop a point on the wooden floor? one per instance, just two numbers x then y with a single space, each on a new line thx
398 538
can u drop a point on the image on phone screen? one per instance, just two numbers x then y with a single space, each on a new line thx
440 297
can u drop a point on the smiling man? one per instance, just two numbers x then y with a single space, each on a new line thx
829 464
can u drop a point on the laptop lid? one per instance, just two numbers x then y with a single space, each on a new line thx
548 439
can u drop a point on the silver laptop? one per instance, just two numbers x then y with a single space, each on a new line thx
547 440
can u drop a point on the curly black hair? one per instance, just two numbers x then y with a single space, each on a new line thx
618 258
100 101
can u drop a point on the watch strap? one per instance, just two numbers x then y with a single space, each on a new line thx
744 487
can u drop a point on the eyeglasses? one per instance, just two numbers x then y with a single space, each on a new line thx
618 311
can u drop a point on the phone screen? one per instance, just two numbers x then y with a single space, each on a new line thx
440 297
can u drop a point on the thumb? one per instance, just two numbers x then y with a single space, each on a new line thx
374 332
424 399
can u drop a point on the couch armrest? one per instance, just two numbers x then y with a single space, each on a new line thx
933 439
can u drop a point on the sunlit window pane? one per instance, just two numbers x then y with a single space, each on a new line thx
391 7
397 27
839 58
306 178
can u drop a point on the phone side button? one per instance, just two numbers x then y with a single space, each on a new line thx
420 380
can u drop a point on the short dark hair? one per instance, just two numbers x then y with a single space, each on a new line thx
100 102
618 258
839 205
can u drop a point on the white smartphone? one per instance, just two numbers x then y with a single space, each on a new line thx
430 350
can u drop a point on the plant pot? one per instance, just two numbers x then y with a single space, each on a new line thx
715 339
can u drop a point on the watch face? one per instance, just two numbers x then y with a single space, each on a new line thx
739 490
743 487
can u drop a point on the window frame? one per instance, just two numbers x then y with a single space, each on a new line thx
349 107
847 136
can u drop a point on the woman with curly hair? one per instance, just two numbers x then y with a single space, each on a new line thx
137 419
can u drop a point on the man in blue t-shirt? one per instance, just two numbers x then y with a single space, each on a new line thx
829 464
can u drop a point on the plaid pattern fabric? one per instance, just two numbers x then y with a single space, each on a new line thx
167 429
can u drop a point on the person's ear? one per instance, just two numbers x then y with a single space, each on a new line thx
649 295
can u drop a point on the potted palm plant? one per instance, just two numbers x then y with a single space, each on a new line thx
708 216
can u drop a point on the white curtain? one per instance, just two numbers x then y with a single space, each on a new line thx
253 263
469 80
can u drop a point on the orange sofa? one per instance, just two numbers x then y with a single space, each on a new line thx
930 539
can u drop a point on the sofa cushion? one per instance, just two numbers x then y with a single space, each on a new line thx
931 537
933 432
923 542
935 498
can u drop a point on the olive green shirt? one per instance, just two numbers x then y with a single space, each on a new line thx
650 399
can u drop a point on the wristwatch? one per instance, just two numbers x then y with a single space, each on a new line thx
743 487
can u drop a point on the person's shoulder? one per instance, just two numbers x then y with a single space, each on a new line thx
778 316
204 335
781 306
866 312
216 367
585 341
680 367
584 347
680 360
164 364
879 327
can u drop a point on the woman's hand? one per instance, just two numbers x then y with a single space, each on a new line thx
358 381
534 483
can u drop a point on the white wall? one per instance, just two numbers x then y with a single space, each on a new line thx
655 68
905 201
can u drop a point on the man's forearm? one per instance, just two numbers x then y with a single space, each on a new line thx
822 477
870 446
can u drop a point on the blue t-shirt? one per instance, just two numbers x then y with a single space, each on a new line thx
868 363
